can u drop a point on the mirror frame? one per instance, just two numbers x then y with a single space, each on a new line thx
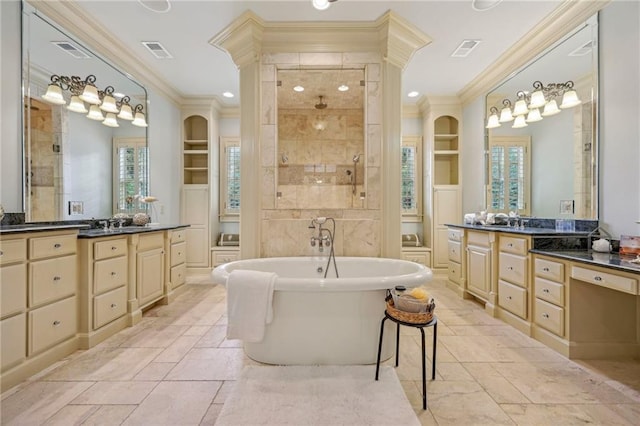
591 25
29 12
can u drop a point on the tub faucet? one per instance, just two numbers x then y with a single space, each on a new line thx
324 238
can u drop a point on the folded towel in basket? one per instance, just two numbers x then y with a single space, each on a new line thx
410 240
229 239
249 304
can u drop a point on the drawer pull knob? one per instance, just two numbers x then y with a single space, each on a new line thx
1 252
545 290
179 253
114 248
510 268
57 245
545 315
56 278
545 269
113 274
509 297
56 323
510 245
597 278
113 305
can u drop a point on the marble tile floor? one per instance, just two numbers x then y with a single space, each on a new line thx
176 368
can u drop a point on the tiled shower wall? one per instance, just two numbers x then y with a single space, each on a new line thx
286 220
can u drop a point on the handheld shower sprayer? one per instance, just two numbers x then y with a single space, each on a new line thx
356 158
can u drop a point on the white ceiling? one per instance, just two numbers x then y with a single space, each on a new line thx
199 69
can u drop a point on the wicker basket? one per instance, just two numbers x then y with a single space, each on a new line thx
410 317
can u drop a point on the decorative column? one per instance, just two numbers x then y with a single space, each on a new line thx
399 40
243 40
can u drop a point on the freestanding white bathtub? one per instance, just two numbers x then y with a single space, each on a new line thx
328 321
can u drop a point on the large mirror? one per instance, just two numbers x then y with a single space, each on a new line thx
321 149
544 163
76 167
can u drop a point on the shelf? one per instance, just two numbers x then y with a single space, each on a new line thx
196 151
445 152
194 169
444 137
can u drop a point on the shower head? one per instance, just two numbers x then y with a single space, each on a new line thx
321 104
356 158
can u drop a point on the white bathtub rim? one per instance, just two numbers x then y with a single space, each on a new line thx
422 275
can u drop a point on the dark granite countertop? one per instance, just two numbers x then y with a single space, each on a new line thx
126 230
524 231
37 227
84 230
607 260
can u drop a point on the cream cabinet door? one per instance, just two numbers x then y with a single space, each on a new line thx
150 267
197 247
479 271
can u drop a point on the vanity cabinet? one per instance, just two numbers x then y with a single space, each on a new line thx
38 303
479 266
149 267
421 255
177 257
103 270
455 271
13 303
513 280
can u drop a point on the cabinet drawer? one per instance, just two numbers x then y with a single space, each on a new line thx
109 306
13 289
109 273
420 258
110 248
605 279
550 291
513 245
178 235
513 268
220 257
52 324
454 272
59 245
13 340
482 239
549 316
151 241
455 251
512 298
178 253
52 279
454 235
548 269
178 275
13 251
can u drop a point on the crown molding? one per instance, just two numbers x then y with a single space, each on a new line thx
554 26
399 39
242 39
74 19
248 36
230 112
411 111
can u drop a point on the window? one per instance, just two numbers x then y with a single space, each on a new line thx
229 178
411 178
509 171
130 176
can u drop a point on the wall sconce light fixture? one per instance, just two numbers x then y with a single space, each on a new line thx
527 107
82 91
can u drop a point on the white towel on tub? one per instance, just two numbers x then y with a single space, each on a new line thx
249 304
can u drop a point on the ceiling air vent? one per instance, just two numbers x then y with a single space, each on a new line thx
465 48
585 49
71 49
157 50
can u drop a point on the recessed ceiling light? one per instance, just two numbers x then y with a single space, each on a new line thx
413 94
482 5
159 6
343 88
228 95
298 88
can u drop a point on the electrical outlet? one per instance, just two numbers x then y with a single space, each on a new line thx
161 208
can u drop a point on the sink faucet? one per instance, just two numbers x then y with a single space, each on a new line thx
104 224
